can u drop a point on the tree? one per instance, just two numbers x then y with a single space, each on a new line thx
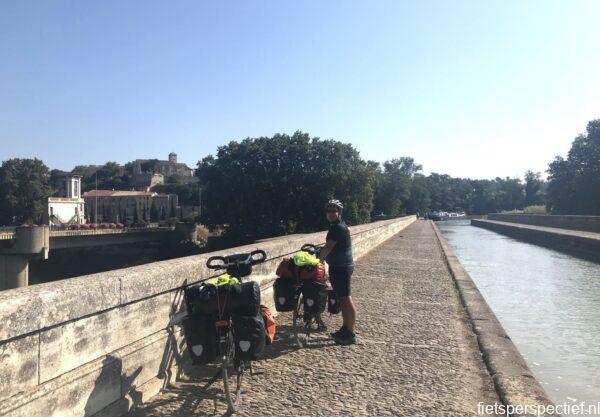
262 187
24 190
57 182
150 165
533 188
511 194
110 176
574 182
393 185
420 199
187 194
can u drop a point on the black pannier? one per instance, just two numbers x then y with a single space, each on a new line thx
314 296
285 294
201 338
245 298
249 335
333 302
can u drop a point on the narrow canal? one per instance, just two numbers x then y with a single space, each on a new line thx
547 301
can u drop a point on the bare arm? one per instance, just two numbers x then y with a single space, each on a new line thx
326 249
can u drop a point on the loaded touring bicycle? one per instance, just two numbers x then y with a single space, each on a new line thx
226 323
301 288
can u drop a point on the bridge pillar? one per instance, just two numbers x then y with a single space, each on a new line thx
29 242
14 271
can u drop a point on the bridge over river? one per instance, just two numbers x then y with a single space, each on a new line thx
20 244
428 344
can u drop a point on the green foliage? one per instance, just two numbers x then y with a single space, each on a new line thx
420 196
150 165
473 196
394 185
111 176
57 182
262 187
24 190
574 182
188 194
537 209
534 188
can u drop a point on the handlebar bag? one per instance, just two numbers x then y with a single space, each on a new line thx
244 299
285 295
249 335
314 297
201 338
238 270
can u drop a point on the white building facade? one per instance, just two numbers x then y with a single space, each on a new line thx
69 209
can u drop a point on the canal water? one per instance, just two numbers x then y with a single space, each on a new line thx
547 301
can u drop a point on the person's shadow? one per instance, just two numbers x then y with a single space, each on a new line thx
104 385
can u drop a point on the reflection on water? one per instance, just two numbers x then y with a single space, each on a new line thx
548 302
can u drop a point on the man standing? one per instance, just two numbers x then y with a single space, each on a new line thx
338 254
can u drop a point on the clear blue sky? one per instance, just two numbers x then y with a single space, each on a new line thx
468 88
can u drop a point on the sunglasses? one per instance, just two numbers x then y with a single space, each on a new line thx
331 211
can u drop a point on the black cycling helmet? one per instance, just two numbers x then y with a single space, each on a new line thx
335 203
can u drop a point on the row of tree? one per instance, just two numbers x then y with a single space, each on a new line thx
276 185
269 186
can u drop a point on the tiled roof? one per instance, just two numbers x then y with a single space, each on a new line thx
113 193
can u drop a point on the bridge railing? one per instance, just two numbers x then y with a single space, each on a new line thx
99 343
61 233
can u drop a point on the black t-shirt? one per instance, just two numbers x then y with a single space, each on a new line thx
341 254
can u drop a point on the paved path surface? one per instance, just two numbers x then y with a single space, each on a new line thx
416 355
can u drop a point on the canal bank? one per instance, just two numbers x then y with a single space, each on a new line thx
515 383
580 243
546 300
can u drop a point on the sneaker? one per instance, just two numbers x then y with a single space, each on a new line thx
341 332
346 339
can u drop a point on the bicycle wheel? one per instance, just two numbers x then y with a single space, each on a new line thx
232 371
301 331
305 324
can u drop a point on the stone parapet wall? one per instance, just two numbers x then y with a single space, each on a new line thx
97 344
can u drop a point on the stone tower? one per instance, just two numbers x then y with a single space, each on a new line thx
173 157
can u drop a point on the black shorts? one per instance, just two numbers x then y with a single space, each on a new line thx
340 277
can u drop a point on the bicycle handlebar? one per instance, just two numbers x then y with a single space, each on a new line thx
312 249
225 262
